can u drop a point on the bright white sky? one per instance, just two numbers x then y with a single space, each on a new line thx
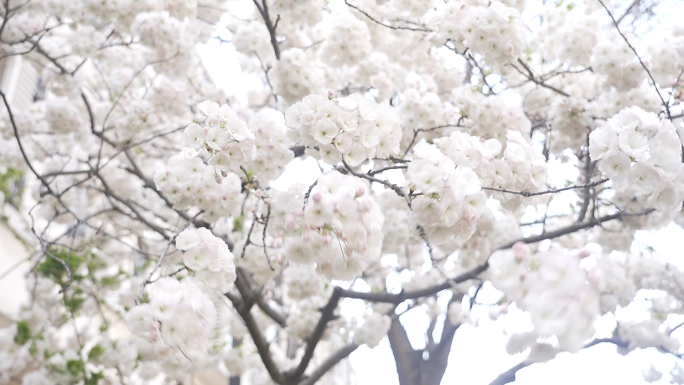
478 354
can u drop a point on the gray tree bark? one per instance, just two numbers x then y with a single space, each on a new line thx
424 366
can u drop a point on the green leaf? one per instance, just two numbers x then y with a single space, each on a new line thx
94 378
54 269
75 367
95 352
11 185
109 281
23 333
74 302
238 223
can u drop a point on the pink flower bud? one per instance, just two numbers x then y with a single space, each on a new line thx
504 308
290 223
520 250
361 191
317 197
277 242
584 253
494 314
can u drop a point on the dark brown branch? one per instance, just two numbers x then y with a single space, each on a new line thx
244 309
392 186
509 376
473 273
327 314
263 10
394 167
413 294
405 357
329 363
270 312
530 76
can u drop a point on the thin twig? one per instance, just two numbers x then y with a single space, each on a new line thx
655 85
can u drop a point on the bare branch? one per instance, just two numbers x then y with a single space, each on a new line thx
386 25
327 314
531 194
331 361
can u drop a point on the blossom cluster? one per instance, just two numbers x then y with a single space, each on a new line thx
569 37
208 257
448 176
495 31
178 321
272 148
296 75
224 136
347 43
642 156
613 59
489 117
450 201
350 129
340 230
302 281
187 181
304 11
553 289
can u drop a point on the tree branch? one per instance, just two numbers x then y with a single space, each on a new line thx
386 25
531 194
329 363
327 314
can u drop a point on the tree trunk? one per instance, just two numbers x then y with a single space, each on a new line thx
413 367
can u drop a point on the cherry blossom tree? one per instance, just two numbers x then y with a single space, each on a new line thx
463 146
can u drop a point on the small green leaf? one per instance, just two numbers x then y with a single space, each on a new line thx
238 223
94 378
75 367
109 281
52 268
95 352
23 333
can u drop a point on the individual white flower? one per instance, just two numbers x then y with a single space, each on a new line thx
602 142
665 198
634 144
652 374
616 165
208 108
644 176
194 136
